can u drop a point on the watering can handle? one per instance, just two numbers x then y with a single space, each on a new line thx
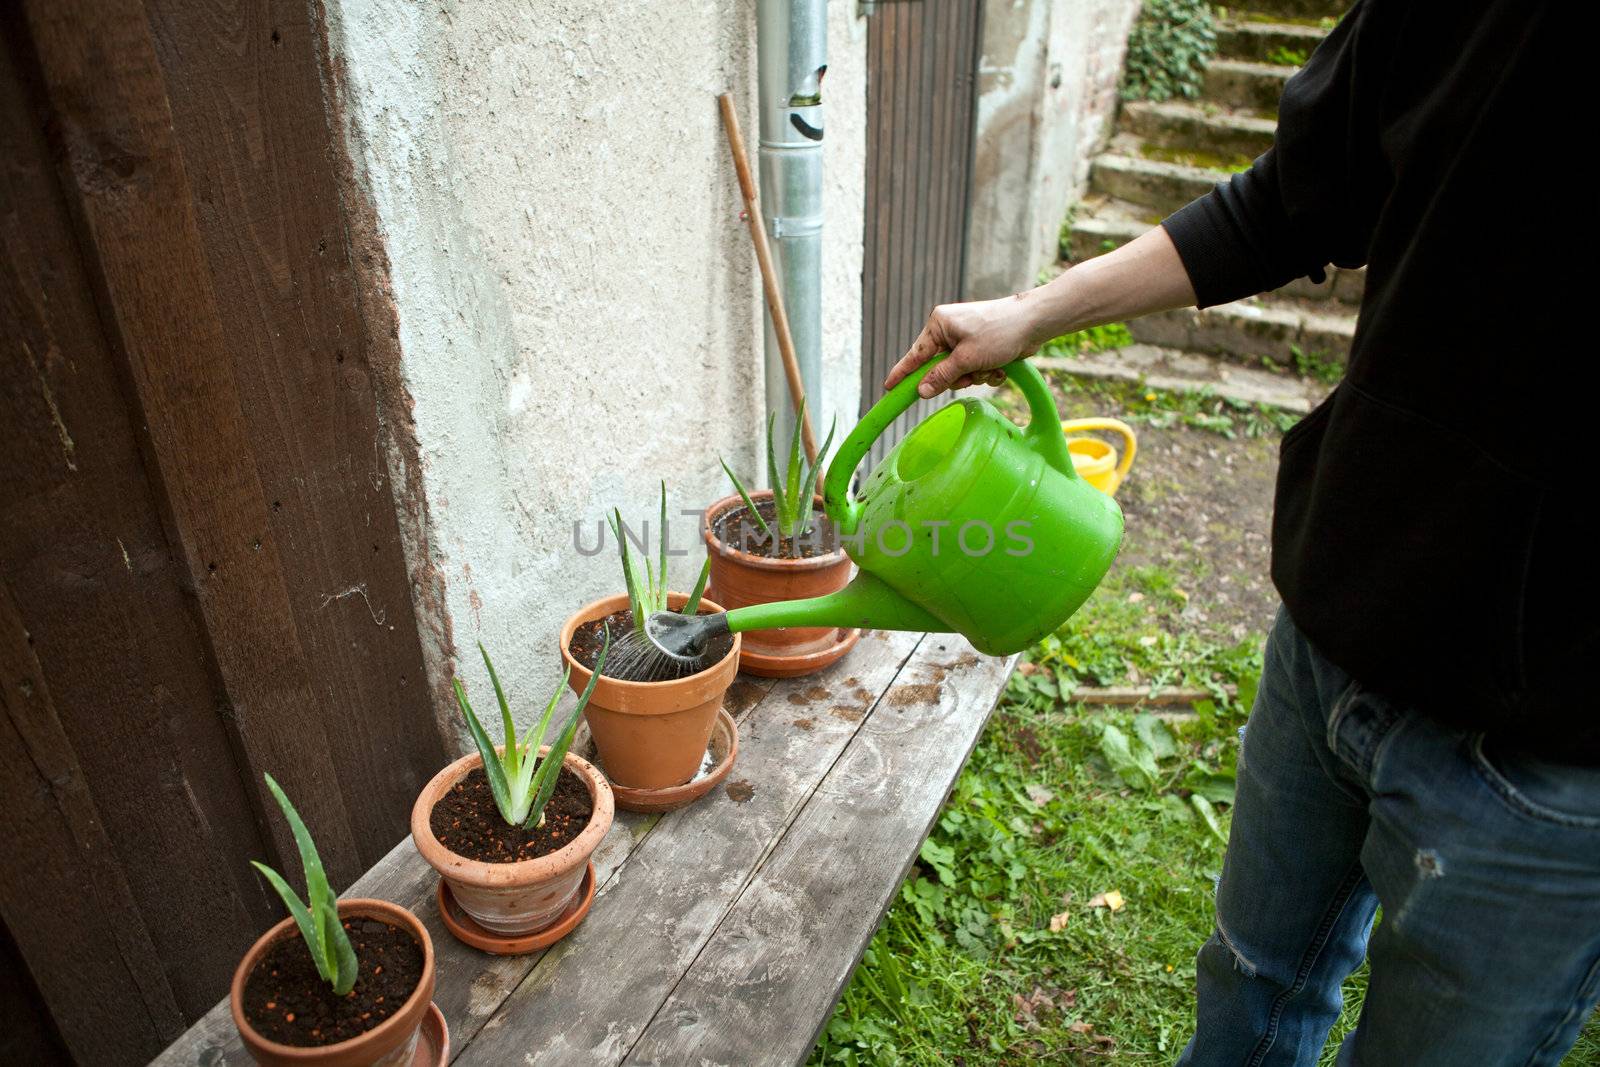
1130 443
1043 435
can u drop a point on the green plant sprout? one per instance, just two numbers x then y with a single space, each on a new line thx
647 585
318 917
791 497
521 782
1284 56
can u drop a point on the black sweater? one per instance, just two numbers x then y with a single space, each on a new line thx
1435 520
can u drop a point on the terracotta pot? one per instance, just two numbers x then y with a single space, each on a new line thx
740 579
513 899
651 734
393 1041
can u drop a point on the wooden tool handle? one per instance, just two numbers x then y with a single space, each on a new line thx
769 277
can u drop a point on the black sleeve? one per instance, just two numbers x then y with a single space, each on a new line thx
1314 197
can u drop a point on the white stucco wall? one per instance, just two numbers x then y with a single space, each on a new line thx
1047 99
577 304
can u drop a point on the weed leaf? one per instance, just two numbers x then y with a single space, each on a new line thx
1132 761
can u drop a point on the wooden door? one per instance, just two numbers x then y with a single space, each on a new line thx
201 570
922 63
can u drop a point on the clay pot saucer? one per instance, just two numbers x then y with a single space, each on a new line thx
724 748
433 1040
466 930
766 666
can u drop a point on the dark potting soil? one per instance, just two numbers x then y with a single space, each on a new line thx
290 1003
588 639
736 529
466 821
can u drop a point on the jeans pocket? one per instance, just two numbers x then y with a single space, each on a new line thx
1552 793
1360 724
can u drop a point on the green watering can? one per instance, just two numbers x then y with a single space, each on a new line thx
969 525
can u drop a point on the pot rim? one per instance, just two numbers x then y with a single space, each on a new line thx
599 609
423 991
714 511
480 873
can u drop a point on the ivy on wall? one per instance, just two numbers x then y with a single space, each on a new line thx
1168 49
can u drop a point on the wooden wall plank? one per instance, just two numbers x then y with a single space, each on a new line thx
108 609
113 136
27 1035
82 935
249 114
765 984
921 77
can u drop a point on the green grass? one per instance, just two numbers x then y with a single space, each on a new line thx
1057 807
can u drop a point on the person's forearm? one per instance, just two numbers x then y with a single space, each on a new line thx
1143 276
982 336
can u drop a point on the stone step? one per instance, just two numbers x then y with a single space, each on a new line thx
1174 371
1114 225
1254 42
1254 332
1257 86
1162 187
1197 129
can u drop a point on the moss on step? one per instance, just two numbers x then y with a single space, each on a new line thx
1230 164
1236 15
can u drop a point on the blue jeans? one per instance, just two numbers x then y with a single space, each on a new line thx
1486 862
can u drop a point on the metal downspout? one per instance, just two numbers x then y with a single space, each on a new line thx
792 57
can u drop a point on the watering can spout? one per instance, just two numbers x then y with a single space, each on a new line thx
867 602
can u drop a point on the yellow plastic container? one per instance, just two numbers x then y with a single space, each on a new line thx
1095 460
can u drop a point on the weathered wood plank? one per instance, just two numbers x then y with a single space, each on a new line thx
764 985
84 555
247 106
591 996
79 928
131 194
471 985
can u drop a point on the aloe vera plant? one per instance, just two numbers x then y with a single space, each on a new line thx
317 916
791 496
521 782
646 584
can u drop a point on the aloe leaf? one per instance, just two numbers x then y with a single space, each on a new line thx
537 737
660 600
809 480
550 766
512 756
302 915
692 605
316 880
491 759
523 786
794 487
630 574
772 469
337 950
749 505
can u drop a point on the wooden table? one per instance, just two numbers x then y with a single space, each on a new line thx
723 933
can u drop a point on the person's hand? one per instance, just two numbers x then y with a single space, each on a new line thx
982 336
